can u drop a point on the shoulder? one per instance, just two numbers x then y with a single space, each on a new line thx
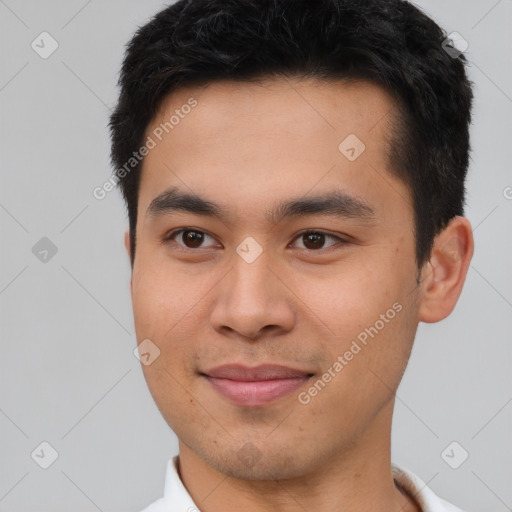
156 506
418 490
175 497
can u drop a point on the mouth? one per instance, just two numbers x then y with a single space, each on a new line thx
255 386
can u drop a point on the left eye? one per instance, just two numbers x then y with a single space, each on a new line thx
316 239
193 239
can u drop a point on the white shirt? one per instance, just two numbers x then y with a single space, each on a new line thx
177 499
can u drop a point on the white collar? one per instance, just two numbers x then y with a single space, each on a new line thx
177 499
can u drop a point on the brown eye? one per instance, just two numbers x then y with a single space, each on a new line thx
188 238
315 240
192 239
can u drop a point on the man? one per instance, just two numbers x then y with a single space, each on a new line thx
294 177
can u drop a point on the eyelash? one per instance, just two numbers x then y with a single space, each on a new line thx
173 234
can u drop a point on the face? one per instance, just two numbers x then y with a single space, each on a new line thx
283 298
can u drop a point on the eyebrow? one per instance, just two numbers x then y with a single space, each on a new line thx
336 203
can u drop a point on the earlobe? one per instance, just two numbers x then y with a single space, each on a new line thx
444 274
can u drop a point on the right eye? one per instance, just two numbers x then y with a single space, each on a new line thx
190 238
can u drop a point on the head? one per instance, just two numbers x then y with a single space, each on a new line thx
253 124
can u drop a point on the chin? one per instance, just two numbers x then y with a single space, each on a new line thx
251 463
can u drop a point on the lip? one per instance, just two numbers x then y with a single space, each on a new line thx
255 386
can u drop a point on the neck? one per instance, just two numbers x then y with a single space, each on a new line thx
357 480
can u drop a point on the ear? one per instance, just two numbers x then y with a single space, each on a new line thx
443 276
127 244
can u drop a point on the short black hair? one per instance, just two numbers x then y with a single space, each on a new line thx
390 43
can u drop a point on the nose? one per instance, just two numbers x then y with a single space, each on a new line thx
252 300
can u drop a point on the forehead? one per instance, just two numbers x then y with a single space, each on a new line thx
281 136
324 104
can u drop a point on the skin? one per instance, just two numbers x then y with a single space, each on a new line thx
247 147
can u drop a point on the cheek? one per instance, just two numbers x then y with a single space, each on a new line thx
363 372
348 299
369 319
166 305
165 299
178 406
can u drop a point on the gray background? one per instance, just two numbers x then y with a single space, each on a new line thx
68 375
